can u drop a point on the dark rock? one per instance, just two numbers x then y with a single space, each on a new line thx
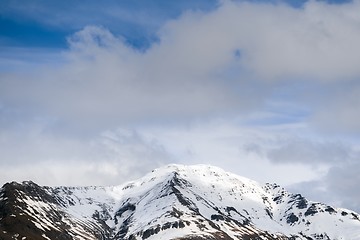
181 224
299 201
166 226
126 207
217 217
311 210
148 233
175 225
330 209
292 218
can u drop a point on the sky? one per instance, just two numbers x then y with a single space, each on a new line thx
99 93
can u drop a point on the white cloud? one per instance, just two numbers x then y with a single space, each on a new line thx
275 41
338 111
106 83
225 143
296 150
205 63
342 181
230 62
338 187
55 159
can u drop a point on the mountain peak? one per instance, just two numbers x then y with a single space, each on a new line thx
171 202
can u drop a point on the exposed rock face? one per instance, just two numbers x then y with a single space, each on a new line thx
28 210
174 202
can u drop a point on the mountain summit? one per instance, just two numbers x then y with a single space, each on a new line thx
173 202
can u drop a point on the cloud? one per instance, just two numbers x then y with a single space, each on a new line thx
240 86
106 82
334 164
52 159
300 151
338 187
225 143
137 21
229 60
337 111
280 42
343 181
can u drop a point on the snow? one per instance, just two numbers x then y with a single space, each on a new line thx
39 210
151 202
222 189
44 236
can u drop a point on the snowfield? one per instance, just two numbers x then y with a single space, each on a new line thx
178 201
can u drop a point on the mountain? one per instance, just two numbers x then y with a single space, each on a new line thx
174 202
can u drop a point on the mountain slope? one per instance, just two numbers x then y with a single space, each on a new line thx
173 202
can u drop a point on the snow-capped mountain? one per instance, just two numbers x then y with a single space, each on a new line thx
173 202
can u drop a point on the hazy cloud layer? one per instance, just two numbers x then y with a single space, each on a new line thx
338 187
343 181
310 152
53 159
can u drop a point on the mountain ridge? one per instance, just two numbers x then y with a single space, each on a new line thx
172 202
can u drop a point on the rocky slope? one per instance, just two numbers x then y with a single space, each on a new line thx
173 202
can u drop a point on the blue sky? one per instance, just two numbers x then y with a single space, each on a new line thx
48 23
98 94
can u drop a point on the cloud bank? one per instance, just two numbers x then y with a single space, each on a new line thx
245 86
228 60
